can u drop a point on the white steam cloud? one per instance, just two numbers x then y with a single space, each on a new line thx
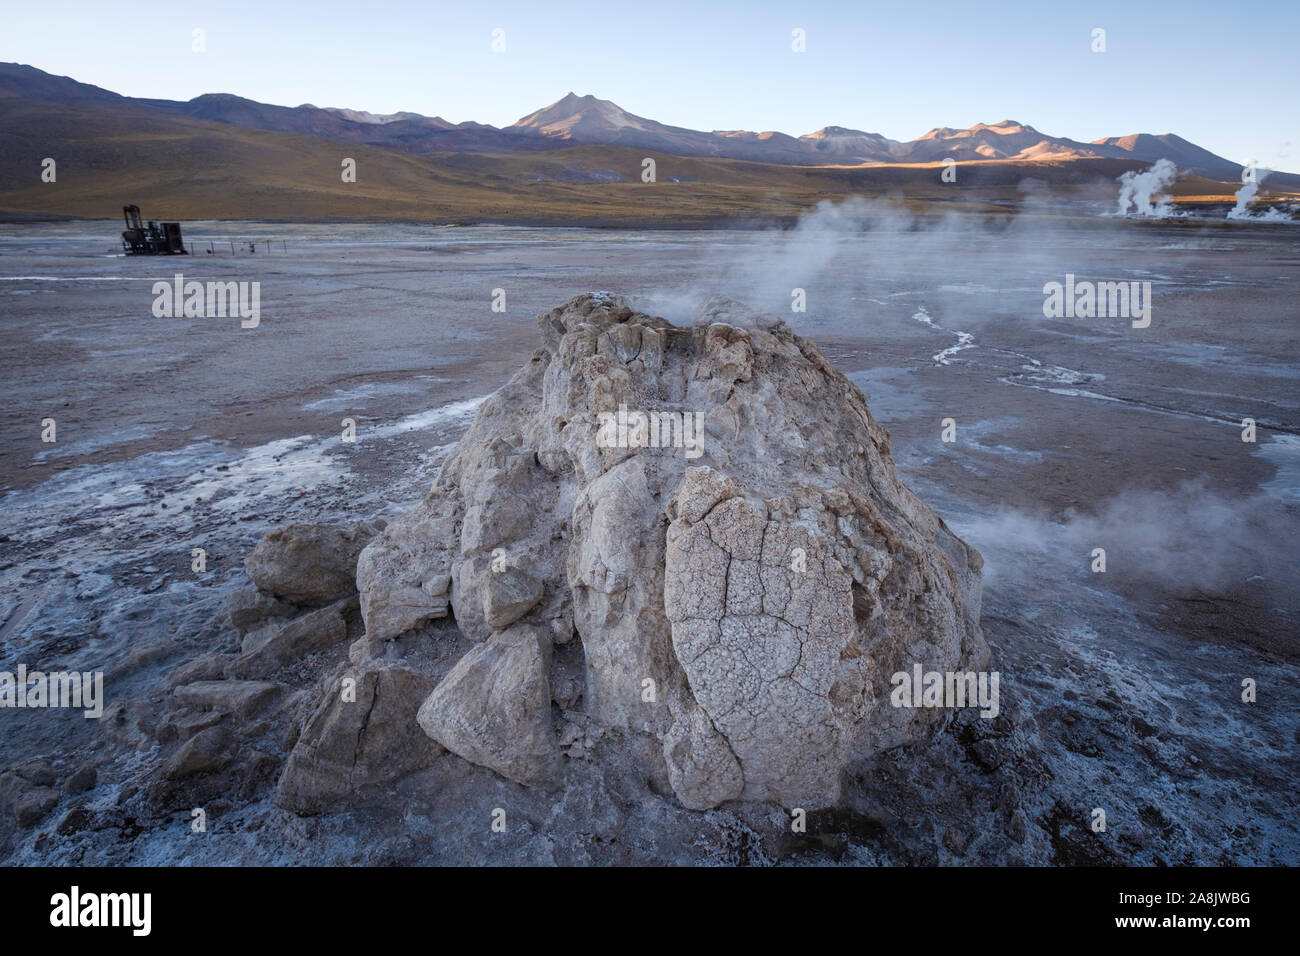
1193 539
852 257
1137 188
1246 195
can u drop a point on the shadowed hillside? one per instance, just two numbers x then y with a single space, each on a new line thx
111 151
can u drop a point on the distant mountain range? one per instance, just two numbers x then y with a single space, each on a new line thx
587 121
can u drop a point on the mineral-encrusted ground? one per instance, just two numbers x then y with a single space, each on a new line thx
1120 691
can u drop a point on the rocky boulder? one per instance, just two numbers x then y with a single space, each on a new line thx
301 564
494 708
714 512
362 734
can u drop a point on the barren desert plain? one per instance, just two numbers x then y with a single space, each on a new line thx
1121 689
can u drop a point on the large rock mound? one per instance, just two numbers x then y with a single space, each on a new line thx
742 568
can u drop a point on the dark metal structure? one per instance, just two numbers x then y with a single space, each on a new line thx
154 239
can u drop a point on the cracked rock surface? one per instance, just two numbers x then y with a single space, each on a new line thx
740 595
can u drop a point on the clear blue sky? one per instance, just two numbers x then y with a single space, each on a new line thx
1222 75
